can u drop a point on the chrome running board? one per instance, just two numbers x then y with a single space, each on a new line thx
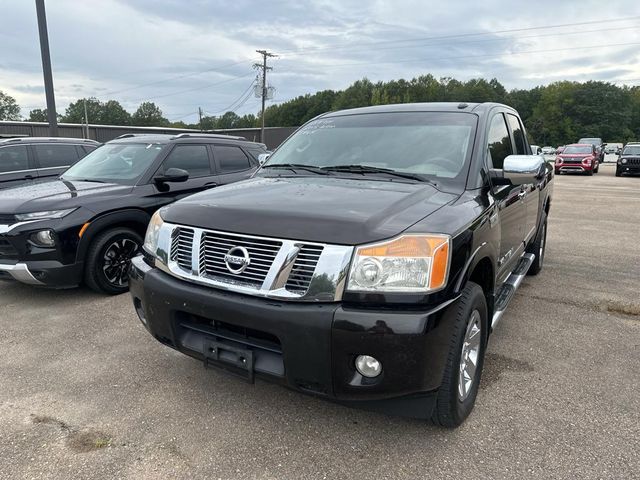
509 287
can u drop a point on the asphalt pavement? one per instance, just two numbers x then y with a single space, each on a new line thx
85 392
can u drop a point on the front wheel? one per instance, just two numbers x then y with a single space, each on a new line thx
457 393
618 172
108 260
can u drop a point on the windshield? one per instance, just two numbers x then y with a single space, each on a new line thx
631 150
122 163
426 144
571 149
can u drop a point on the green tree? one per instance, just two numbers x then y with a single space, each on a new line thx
114 114
38 115
74 112
9 108
149 114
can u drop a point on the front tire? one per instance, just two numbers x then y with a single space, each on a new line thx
457 393
108 260
618 172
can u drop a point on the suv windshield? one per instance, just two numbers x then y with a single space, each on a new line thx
592 141
122 163
571 150
429 144
631 150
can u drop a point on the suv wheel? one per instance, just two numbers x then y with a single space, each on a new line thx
538 248
618 172
108 259
457 393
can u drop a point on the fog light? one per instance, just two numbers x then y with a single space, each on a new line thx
44 238
368 366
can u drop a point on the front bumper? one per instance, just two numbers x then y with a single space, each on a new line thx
43 273
19 272
310 347
630 169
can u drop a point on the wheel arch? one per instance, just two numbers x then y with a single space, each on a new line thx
136 220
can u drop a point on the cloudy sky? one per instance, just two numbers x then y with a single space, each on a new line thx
199 53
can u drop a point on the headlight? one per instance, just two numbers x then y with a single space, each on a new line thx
153 232
624 160
409 263
22 217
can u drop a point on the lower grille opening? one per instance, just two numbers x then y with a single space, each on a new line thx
193 331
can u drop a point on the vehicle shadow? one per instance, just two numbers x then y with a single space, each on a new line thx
12 292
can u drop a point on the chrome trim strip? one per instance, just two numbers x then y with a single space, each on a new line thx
327 283
514 280
8 228
21 273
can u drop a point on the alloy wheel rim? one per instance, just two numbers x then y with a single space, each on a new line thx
469 356
116 261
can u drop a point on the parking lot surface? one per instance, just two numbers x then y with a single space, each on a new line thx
85 392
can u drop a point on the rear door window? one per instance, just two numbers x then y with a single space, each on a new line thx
51 156
518 134
192 158
499 142
14 158
230 159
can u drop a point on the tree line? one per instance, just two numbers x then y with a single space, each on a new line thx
555 114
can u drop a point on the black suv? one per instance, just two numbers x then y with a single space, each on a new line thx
629 160
27 159
87 224
366 262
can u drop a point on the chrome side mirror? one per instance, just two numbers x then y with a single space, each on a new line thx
263 158
522 169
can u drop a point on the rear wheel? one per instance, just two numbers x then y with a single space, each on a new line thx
108 259
538 248
457 393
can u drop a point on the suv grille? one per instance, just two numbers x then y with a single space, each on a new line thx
182 247
303 268
214 247
633 161
7 251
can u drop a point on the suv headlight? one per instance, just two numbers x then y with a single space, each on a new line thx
409 263
23 217
153 233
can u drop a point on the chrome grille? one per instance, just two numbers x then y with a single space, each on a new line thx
182 247
303 268
214 247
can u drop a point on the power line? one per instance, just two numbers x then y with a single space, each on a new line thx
453 36
242 96
177 77
192 89
458 57
498 39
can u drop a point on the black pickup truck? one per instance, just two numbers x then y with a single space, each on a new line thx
366 262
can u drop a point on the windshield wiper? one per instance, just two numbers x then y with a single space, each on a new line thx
299 166
368 169
83 180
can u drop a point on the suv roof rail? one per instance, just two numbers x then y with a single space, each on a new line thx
207 135
48 139
127 135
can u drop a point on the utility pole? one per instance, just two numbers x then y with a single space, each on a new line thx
200 116
46 68
86 118
264 92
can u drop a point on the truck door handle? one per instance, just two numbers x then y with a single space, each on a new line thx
211 184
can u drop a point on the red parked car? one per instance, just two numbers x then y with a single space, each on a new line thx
578 157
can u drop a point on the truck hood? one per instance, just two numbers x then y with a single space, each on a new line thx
55 195
324 209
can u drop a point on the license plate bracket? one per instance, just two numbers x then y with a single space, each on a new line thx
223 355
